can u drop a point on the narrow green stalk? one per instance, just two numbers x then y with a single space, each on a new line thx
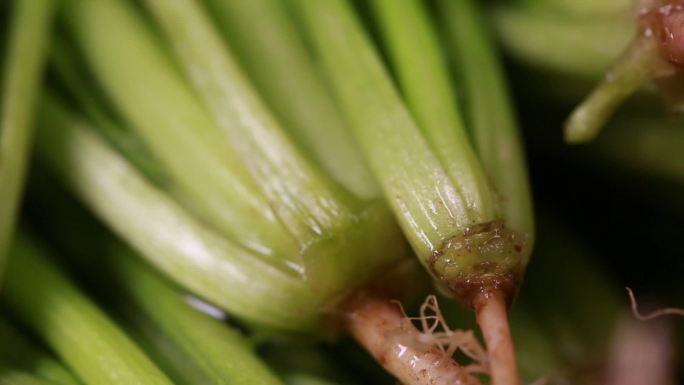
342 240
80 333
268 46
303 199
437 219
627 75
160 312
166 235
29 35
73 75
18 377
490 115
17 351
129 61
553 42
421 67
586 8
415 183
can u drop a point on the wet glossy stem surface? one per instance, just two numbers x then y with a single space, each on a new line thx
383 330
492 316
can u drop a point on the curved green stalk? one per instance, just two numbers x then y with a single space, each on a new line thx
18 352
159 313
268 46
166 235
73 75
342 240
414 182
29 35
421 68
80 333
626 76
490 115
135 71
550 41
453 239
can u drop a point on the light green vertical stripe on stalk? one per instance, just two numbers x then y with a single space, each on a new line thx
136 72
29 33
80 333
267 44
166 235
307 202
490 114
423 197
421 68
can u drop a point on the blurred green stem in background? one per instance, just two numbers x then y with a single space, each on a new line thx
27 49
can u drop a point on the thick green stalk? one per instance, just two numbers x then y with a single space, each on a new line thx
447 233
160 310
17 351
137 74
342 241
166 235
415 183
550 41
305 201
29 33
421 68
270 50
490 115
80 333
18 377
73 75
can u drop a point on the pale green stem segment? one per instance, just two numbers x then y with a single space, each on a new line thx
423 197
627 75
166 235
572 46
223 354
18 352
148 90
29 35
343 241
270 50
490 115
80 333
73 75
421 68
306 202
18 377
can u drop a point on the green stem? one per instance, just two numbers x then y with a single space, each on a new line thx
130 63
627 75
553 42
270 50
421 68
304 200
29 35
166 235
415 184
73 74
80 333
490 114
17 351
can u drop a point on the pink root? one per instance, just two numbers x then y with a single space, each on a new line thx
492 316
415 357
656 314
